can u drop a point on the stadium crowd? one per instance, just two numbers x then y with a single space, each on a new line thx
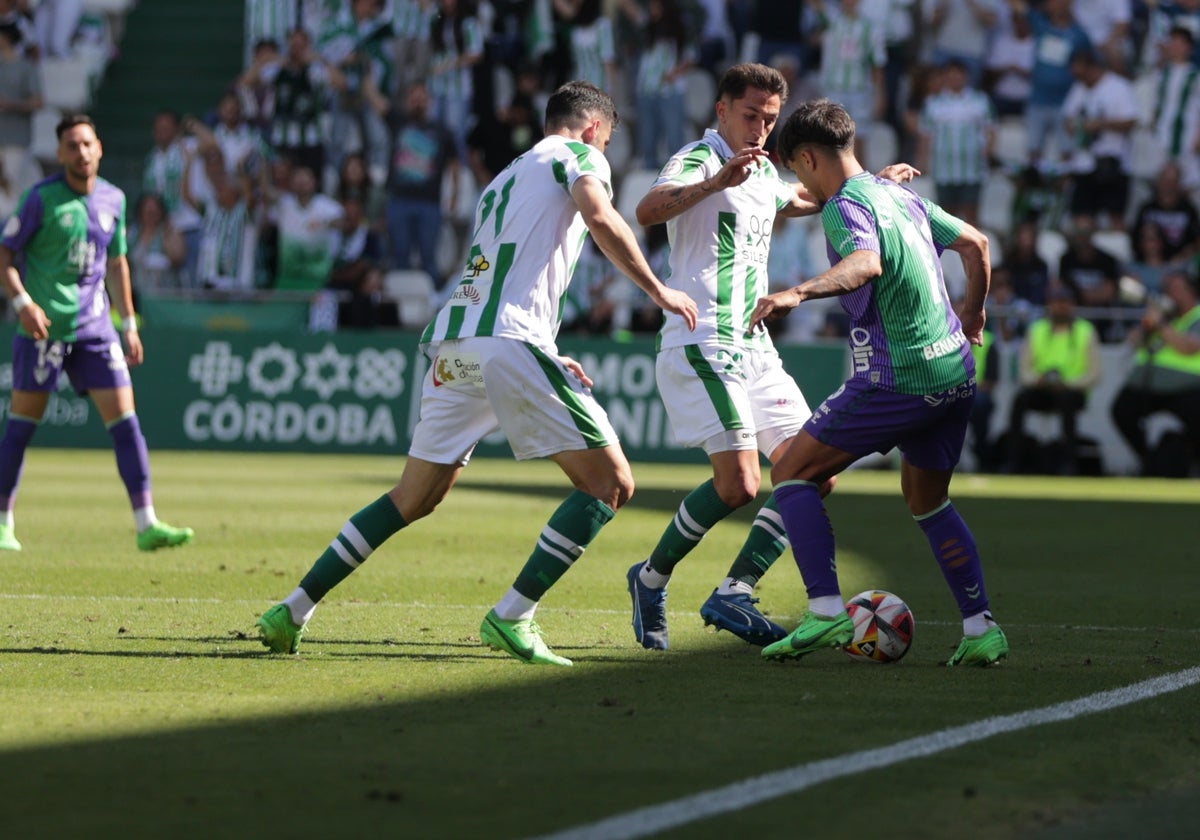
345 160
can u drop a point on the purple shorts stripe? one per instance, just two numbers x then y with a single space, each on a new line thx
929 430
90 363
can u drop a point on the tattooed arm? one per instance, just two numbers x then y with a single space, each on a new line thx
669 200
855 271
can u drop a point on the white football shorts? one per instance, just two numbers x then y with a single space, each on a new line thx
480 384
722 399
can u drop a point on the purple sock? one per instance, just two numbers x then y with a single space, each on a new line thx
17 434
811 534
957 556
133 460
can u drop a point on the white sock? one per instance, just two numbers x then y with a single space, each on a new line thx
144 518
653 579
515 607
300 606
8 518
826 606
978 624
729 586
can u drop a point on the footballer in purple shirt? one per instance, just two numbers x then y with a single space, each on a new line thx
61 255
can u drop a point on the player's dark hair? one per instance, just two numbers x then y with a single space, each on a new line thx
576 102
69 121
741 77
818 122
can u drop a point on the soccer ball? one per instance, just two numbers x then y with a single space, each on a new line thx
883 627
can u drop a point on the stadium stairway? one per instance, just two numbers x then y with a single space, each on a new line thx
179 54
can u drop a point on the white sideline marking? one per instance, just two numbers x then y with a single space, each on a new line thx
743 794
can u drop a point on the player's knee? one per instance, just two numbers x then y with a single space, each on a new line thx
738 490
615 490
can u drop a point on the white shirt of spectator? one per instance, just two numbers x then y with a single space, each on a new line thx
1111 98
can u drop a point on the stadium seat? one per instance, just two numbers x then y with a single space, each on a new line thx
45 142
449 252
1012 146
701 97
996 202
413 291
65 83
620 149
633 186
1146 156
468 195
882 147
1051 245
1114 242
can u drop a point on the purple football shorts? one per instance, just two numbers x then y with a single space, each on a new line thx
929 430
91 363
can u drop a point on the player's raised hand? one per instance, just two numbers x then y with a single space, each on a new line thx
773 306
673 300
901 173
738 168
33 319
576 370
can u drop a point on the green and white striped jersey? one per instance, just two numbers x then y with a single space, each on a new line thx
592 47
719 247
851 49
958 124
528 236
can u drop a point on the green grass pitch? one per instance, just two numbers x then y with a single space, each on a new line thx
135 700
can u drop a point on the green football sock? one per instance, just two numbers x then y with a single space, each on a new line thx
364 532
765 542
570 530
700 511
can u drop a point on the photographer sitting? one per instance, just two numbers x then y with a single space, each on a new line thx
1166 374
1059 364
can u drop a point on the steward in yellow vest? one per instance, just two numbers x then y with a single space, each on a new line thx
1059 364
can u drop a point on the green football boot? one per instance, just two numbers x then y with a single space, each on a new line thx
983 651
815 632
521 638
278 632
162 535
8 538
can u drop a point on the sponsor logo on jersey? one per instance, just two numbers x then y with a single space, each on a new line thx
674 167
106 220
466 293
943 346
67 221
861 350
12 227
457 371
476 266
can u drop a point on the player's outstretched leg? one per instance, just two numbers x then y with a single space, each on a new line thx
510 627
281 627
957 555
731 607
700 510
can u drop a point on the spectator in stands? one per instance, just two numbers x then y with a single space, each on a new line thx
1092 276
422 156
359 45
255 95
55 23
593 50
1056 36
14 12
20 97
164 172
1166 372
496 140
358 271
893 18
1108 27
1009 68
1028 272
227 232
1150 263
1163 17
716 41
1171 210
410 26
302 82
457 42
661 83
355 181
307 234
1099 115
1176 104
853 57
242 147
1007 314
1059 365
156 249
987 375
961 31
781 26
268 21
957 138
